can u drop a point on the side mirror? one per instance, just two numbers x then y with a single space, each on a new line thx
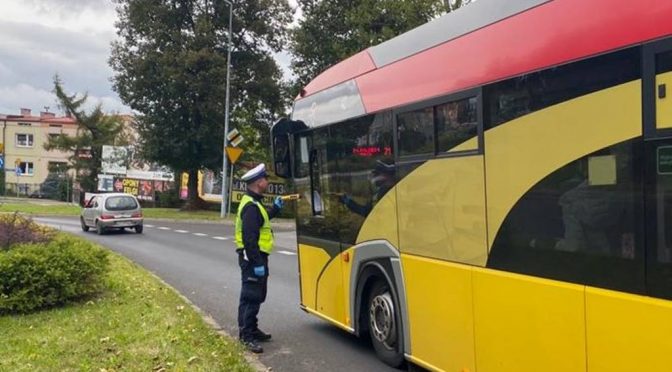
280 139
281 156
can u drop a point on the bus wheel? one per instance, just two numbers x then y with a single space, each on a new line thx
384 325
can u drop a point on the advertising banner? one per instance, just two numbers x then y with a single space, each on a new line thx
142 189
210 187
105 183
114 159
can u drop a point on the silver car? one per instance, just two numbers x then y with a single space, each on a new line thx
112 211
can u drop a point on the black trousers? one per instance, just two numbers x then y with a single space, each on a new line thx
252 295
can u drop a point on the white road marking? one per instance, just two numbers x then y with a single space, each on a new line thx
146 225
200 234
288 253
220 238
164 228
181 231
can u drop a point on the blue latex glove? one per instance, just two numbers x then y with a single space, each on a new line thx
259 271
278 202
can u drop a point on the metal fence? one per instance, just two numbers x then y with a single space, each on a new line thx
40 191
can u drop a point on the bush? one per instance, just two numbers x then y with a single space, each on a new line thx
40 275
15 229
168 199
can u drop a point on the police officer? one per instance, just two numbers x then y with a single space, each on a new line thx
254 242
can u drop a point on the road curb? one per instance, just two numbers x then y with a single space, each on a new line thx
210 321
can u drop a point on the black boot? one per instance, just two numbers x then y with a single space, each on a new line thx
253 346
259 335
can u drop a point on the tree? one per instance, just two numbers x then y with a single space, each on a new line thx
95 129
170 65
334 30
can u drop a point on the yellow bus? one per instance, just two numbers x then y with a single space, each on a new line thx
492 191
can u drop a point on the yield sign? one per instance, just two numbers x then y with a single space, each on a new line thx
233 153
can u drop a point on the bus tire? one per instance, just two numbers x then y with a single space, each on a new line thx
385 325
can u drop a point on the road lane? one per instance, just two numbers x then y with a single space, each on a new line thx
205 270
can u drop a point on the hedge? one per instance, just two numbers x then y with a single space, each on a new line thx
41 275
16 229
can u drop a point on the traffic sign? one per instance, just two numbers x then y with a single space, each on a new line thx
233 153
2 161
234 137
232 134
236 141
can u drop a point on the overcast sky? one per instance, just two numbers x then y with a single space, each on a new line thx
39 38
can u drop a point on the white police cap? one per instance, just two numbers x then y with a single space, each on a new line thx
255 173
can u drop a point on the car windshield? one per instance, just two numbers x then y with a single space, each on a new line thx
120 203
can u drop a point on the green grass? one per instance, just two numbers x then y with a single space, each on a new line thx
73 210
28 208
138 324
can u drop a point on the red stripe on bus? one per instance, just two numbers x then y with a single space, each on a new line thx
354 66
552 34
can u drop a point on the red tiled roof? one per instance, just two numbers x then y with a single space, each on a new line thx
37 119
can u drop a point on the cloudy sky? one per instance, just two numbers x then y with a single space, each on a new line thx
40 38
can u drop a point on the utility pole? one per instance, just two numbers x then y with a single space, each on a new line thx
224 211
4 158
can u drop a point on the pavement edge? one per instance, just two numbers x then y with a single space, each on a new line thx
210 321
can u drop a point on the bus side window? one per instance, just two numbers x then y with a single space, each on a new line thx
456 122
416 132
315 186
301 157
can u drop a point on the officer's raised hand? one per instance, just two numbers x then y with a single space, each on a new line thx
278 202
259 271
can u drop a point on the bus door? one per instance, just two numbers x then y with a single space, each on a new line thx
318 226
657 94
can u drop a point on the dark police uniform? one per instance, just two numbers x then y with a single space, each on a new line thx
254 241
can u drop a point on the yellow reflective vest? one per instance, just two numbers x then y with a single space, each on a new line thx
265 233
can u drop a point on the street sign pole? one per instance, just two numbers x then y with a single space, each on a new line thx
233 153
230 187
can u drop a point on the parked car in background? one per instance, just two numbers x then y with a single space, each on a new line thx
112 211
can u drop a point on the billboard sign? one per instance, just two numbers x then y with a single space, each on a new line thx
114 159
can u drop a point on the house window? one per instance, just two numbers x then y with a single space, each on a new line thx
27 168
58 167
24 140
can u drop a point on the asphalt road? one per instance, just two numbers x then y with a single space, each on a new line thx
198 259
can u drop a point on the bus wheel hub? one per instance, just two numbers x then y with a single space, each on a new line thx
381 319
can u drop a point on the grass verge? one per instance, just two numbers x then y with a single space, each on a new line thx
137 324
73 210
29 208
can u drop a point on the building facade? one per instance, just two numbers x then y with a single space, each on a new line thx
27 163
